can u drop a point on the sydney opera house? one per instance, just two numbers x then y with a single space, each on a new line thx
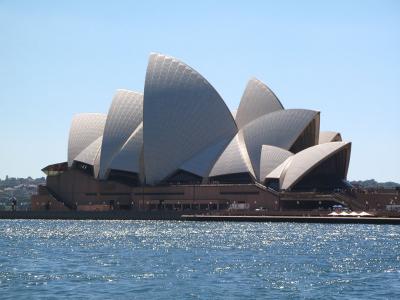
176 145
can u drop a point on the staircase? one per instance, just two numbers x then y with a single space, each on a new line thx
349 201
55 197
264 188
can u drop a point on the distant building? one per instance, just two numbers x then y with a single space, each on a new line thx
178 146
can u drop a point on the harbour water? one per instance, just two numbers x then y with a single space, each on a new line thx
197 260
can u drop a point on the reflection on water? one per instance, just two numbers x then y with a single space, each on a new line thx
164 259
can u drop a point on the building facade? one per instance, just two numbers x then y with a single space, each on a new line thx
178 146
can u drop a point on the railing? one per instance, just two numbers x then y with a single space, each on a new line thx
306 196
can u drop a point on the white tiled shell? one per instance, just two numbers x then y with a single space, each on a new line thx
182 114
304 161
271 157
257 100
128 158
96 165
232 160
124 116
280 128
91 155
329 136
85 129
234 112
88 155
279 170
201 163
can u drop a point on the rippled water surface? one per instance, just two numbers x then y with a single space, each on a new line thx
190 260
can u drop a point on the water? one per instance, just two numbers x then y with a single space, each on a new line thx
195 260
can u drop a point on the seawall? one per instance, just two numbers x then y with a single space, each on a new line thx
178 216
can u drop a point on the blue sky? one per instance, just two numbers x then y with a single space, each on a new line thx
340 57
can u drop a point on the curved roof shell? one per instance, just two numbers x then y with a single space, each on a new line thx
278 171
85 129
182 114
129 157
271 157
200 164
281 129
234 112
329 136
233 160
91 155
124 116
296 167
257 100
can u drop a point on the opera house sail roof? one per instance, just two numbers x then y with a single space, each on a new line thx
179 130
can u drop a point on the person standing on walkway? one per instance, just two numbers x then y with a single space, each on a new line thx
13 203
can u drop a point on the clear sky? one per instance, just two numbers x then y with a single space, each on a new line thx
58 58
